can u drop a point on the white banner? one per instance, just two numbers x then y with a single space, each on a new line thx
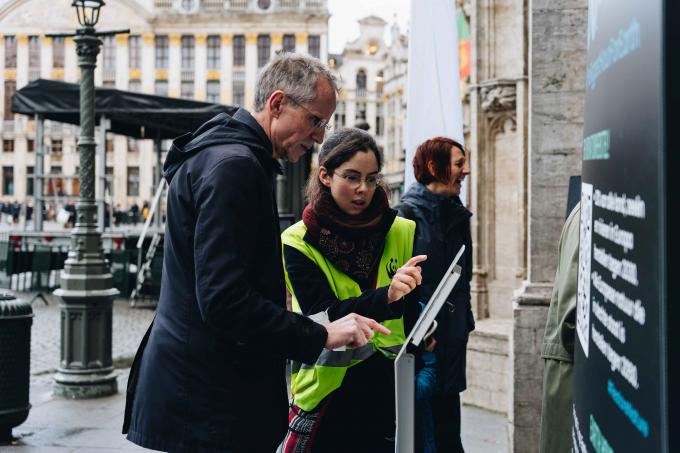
434 105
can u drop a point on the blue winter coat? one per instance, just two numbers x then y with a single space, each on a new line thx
442 226
211 377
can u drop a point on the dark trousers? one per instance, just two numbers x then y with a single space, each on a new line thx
446 410
359 417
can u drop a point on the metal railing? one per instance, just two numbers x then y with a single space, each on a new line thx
216 6
33 74
30 262
212 5
315 4
109 75
187 75
289 4
163 4
28 266
238 5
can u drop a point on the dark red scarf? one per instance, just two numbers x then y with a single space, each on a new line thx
353 243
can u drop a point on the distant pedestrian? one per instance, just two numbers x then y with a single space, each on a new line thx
71 209
117 215
145 210
133 213
6 211
210 374
15 210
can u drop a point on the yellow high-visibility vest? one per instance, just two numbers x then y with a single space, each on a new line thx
311 383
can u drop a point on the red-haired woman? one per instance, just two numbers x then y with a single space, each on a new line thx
442 226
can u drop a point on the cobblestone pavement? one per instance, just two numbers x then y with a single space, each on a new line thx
129 325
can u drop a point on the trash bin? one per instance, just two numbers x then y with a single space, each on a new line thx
16 317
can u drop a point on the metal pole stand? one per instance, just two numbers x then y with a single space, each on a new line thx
404 364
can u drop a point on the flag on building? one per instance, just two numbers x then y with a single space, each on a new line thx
464 48
434 105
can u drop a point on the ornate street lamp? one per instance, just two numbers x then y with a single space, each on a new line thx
88 11
86 368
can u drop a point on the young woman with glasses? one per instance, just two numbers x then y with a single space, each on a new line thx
350 253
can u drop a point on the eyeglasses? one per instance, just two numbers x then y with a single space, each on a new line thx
316 121
354 180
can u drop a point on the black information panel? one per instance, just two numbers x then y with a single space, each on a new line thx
620 365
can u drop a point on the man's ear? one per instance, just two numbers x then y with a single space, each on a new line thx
276 103
324 176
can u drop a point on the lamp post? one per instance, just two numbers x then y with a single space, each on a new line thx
86 367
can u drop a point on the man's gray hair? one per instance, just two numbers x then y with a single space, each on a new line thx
293 73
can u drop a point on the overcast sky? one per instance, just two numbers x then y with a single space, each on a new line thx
343 25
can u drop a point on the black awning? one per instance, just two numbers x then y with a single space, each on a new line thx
133 114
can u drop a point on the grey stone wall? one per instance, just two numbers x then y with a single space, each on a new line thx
488 385
529 316
557 83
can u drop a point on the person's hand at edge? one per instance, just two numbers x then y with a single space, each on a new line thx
352 330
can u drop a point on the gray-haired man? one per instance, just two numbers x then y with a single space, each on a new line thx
209 375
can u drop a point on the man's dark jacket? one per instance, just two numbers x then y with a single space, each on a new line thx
211 376
442 226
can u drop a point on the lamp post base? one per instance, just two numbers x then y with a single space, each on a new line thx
85 385
86 369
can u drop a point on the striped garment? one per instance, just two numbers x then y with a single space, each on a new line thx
302 428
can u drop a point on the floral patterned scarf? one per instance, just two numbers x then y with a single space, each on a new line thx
353 243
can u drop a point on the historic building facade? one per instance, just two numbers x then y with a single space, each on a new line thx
373 80
207 50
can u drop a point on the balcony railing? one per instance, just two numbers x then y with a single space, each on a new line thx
315 4
212 5
108 74
289 4
238 5
216 6
33 74
163 4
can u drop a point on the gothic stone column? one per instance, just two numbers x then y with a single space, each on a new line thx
558 64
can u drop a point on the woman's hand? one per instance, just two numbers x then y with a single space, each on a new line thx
406 279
